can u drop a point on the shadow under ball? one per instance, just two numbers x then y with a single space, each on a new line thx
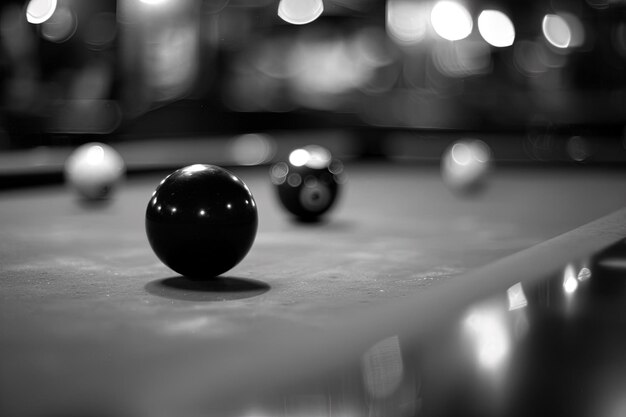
201 221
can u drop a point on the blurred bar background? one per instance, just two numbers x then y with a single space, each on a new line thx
537 80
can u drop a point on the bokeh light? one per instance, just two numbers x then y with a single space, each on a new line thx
576 27
60 27
462 59
38 11
451 20
407 21
300 12
299 157
252 149
496 28
556 30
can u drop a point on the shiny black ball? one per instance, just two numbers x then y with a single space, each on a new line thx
309 183
201 221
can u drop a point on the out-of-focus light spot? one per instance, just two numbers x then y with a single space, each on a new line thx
319 157
94 155
462 59
252 149
489 336
294 180
382 367
407 21
373 53
299 157
451 20
481 151
60 27
38 11
496 28
172 60
153 2
570 283
336 167
556 31
300 12
577 30
279 172
465 164
325 67
584 274
516 296
461 153
310 181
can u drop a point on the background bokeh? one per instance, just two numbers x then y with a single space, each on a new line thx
545 80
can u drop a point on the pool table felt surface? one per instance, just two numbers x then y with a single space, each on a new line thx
85 304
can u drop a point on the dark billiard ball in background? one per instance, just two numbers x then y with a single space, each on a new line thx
309 183
465 166
94 170
201 221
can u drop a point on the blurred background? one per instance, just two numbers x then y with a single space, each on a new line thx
539 81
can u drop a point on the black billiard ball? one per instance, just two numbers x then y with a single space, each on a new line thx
201 221
309 183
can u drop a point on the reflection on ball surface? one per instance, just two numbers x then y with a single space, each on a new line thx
465 165
309 183
94 170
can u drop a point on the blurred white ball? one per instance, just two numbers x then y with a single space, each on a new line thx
465 165
94 170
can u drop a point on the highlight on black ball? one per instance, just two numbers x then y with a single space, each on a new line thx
309 183
201 221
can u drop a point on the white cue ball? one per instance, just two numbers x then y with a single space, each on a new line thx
465 165
94 170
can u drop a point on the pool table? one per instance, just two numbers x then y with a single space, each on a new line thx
92 323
